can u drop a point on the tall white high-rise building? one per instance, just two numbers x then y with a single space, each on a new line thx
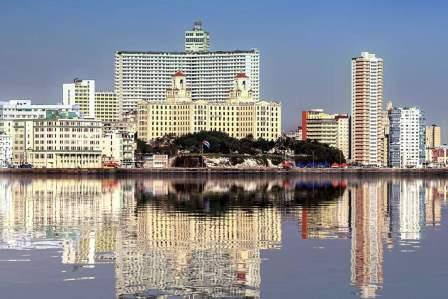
197 39
367 103
141 75
406 137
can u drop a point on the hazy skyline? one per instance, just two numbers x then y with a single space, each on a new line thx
306 47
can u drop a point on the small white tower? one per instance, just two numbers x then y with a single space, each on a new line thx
197 39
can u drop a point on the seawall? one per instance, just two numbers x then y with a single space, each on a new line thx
252 171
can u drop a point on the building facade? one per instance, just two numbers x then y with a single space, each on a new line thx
367 101
407 137
331 129
147 75
197 39
239 116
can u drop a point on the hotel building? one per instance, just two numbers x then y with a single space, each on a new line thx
367 101
141 75
238 116
331 129
406 137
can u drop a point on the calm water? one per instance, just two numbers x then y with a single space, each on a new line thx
232 237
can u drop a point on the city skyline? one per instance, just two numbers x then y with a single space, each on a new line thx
300 72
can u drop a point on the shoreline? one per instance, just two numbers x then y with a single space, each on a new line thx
235 171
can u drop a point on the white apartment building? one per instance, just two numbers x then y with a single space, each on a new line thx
141 75
197 39
367 102
5 150
407 137
239 116
82 93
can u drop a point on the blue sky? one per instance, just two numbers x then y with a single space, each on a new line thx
306 46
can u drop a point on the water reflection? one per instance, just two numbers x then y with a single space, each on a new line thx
204 237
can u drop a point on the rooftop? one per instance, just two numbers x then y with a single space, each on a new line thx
189 53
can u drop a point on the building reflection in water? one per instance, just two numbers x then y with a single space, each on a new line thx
204 237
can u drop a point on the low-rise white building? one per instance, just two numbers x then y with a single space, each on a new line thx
239 116
5 150
25 109
118 147
156 161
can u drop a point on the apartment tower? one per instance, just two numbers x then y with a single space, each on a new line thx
367 102
407 137
433 136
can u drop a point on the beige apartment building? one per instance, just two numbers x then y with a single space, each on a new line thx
433 136
367 102
331 129
239 116
107 107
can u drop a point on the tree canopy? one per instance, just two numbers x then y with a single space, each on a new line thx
302 151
